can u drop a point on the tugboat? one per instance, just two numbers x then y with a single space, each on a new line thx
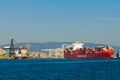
77 50
22 53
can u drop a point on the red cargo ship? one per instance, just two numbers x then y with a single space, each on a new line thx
76 50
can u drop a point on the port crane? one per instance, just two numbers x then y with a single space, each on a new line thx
12 48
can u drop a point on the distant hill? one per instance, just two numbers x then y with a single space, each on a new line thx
51 45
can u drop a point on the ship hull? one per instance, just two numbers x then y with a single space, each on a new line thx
21 58
89 56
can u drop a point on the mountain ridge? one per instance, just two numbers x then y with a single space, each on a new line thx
36 46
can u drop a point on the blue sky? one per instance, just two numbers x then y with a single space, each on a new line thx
95 21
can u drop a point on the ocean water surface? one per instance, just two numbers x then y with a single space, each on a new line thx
60 69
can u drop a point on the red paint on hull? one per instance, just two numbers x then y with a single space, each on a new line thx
89 56
81 53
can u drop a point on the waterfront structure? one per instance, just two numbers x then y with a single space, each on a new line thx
56 53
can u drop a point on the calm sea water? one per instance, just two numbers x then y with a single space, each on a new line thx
60 69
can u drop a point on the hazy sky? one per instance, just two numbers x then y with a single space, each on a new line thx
60 20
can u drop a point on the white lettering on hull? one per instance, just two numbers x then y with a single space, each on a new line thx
82 56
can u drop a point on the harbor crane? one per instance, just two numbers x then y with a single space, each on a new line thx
11 48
